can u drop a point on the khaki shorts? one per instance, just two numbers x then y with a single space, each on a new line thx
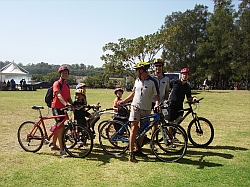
136 114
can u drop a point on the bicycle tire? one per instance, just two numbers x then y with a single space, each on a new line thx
69 138
30 142
200 135
115 144
102 123
81 138
165 150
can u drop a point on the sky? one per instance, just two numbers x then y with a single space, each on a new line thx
74 31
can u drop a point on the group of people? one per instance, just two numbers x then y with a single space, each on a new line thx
147 94
9 85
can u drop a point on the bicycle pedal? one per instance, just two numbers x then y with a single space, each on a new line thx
46 141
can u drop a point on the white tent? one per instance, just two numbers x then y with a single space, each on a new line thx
13 71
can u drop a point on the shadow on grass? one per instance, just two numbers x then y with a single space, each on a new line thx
190 158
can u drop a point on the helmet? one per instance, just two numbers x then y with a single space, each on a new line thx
158 61
80 91
118 89
185 70
80 85
62 68
142 65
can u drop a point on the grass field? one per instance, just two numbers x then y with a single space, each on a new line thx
226 162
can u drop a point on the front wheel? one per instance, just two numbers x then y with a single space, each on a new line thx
200 132
169 143
77 141
114 137
30 136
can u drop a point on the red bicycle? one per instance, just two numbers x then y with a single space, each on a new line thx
77 139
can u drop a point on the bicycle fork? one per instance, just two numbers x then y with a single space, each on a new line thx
164 134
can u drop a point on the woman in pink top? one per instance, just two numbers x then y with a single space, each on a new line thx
62 97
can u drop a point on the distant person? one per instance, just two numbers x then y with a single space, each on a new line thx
205 84
127 82
21 84
8 84
61 100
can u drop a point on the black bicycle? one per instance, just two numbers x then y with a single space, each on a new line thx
166 146
200 131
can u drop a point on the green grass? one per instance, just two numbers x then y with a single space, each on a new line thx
226 162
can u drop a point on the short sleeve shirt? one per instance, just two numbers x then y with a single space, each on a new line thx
163 84
65 91
143 93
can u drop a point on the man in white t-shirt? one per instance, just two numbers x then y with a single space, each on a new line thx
144 89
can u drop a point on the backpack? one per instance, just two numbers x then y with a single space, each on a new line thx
49 95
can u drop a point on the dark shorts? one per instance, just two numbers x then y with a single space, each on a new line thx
174 112
56 112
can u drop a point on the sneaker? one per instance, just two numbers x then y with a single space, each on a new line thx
139 153
54 148
155 149
80 143
63 153
132 157
170 144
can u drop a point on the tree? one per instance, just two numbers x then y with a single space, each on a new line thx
219 46
125 54
241 65
184 47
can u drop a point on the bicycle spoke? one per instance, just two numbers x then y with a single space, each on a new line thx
78 141
30 140
114 143
167 146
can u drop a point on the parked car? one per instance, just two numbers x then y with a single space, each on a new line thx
42 85
173 76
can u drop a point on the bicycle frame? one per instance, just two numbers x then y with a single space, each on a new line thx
41 123
189 110
156 117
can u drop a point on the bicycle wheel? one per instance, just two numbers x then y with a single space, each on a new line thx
30 137
80 143
101 124
201 132
114 143
165 146
69 138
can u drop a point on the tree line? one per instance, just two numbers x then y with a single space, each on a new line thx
211 44
215 45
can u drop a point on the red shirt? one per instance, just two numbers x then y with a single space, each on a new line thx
65 91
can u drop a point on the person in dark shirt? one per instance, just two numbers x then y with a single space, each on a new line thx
80 104
179 89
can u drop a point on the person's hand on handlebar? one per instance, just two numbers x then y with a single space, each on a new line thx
194 99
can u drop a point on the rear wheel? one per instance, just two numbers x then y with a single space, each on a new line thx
114 142
166 146
200 132
77 141
30 137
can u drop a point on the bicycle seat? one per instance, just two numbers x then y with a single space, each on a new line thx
37 107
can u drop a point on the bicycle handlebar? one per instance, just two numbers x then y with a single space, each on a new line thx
195 101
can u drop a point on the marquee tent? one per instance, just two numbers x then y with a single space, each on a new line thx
14 71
